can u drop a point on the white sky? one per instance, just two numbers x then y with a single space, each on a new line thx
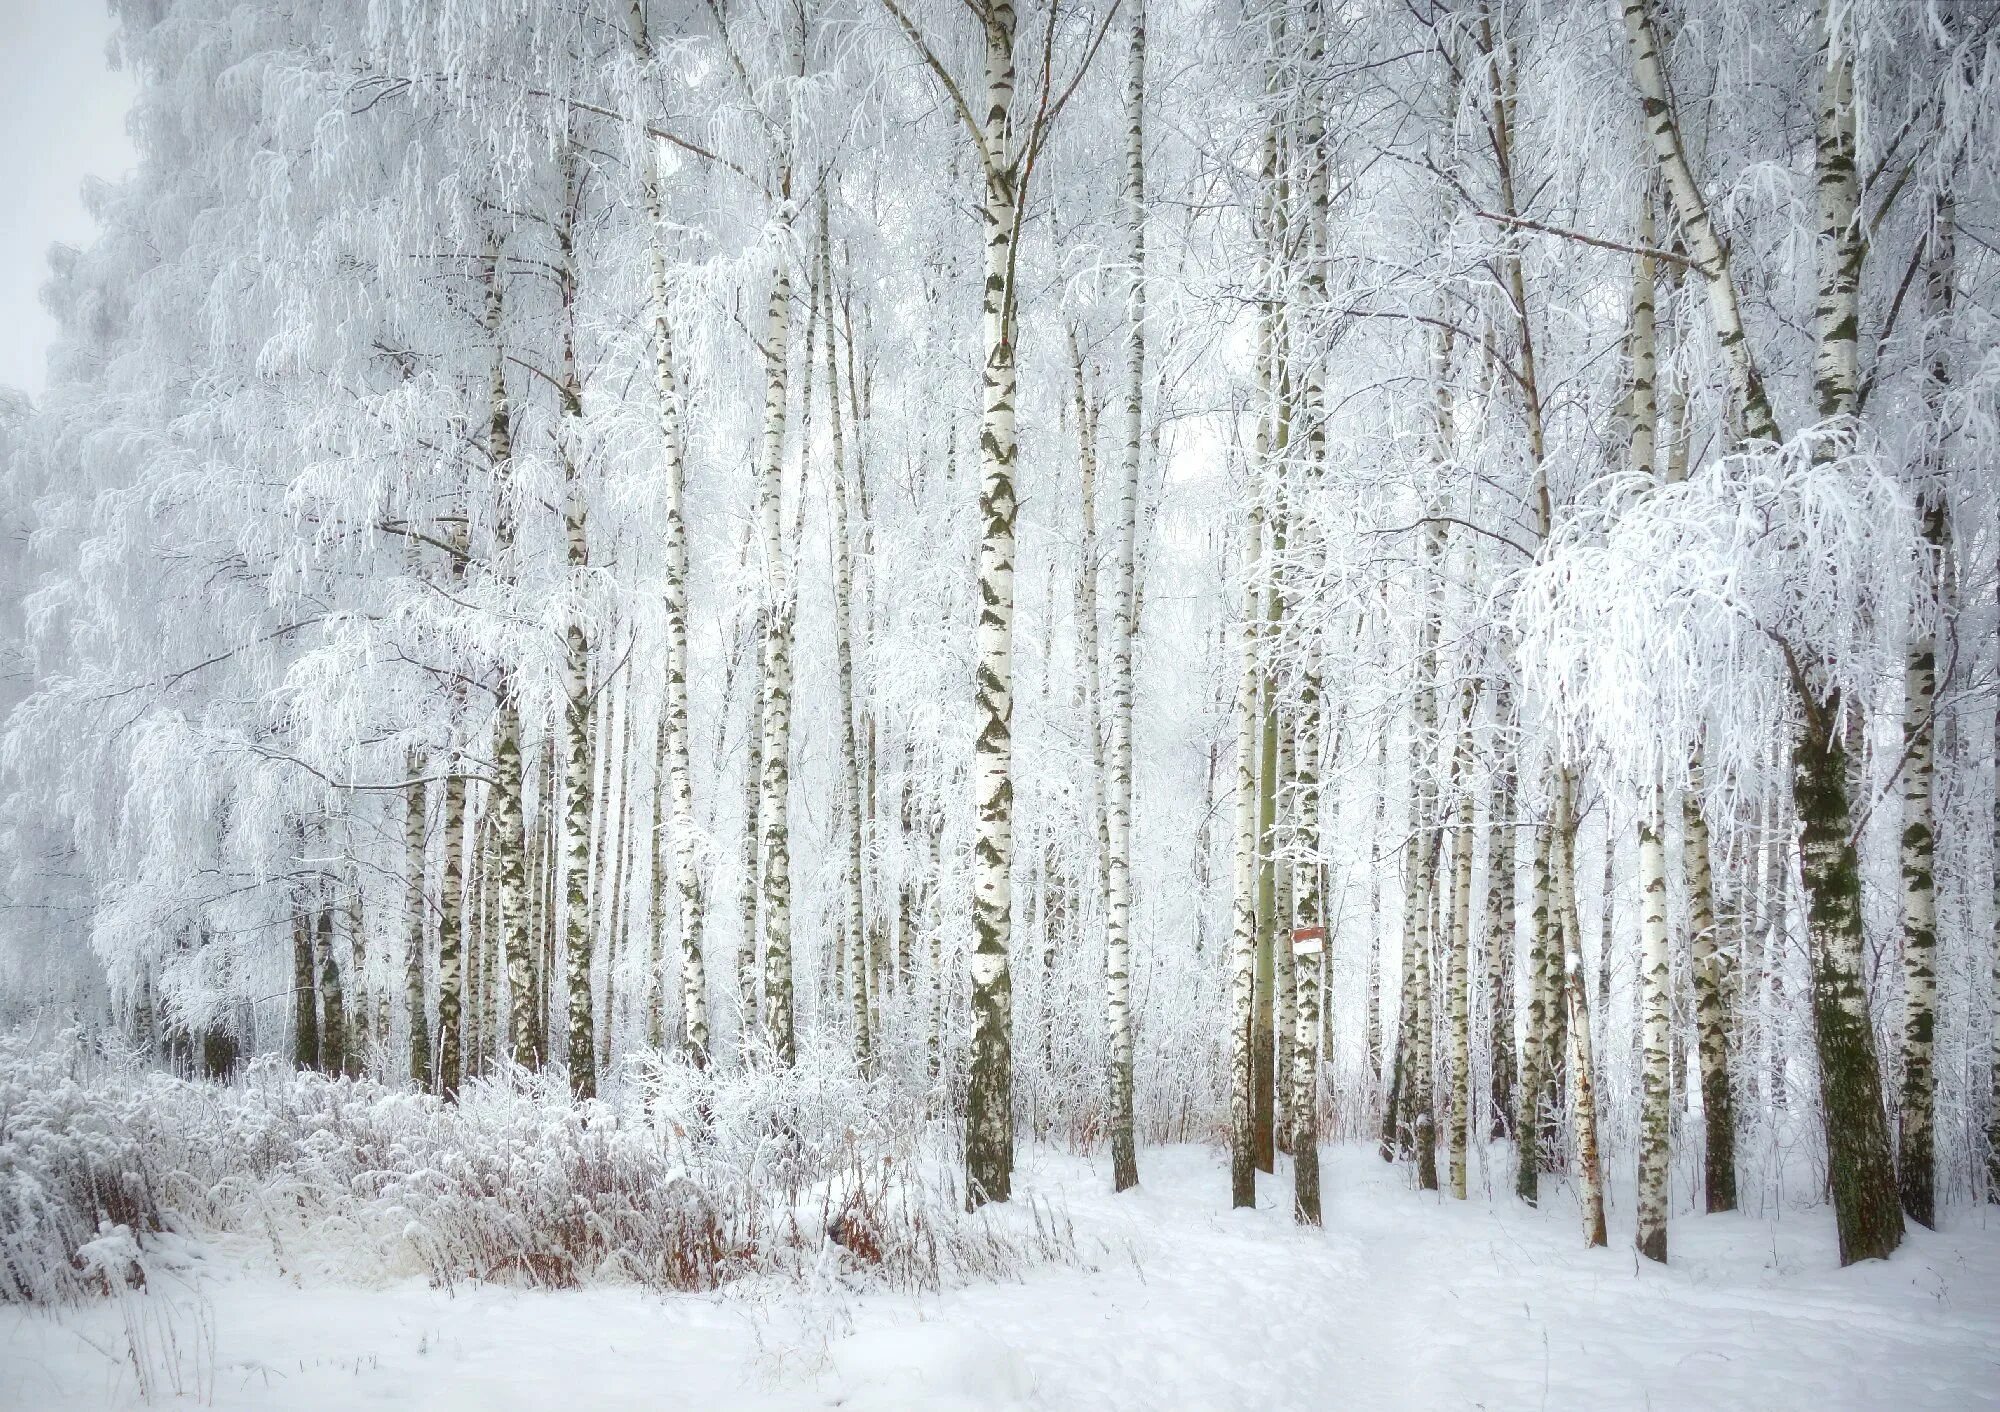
62 117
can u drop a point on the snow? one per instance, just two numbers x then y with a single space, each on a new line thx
1403 1300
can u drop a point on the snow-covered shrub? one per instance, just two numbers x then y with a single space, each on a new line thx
679 1179
72 1169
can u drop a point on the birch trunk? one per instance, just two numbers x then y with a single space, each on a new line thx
487 1049
1916 1157
305 994
1284 994
511 882
1459 964
1862 1172
451 940
1393 1143
1418 1074
1656 1071
1310 952
1590 1180
1535 1033
1243 932
1711 1004
579 931
1993 995
747 969
989 1115
1867 1210
414 832
1691 212
1090 657
334 1058
1375 863
1118 808
774 803
861 978
1500 995
677 748
611 863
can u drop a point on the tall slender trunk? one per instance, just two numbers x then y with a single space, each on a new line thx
1535 1033
305 994
1718 1104
747 969
860 967
1753 406
611 850
1590 1179
1993 995
989 1114
511 878
1089 653
1916 1157
489 943
1552 1143
1418 1072
676 752
1656 1071
451 940
1458 980
1500 994
1409 938
1284 991
1373 984
1310 953
579 933
1860 1169
414 832
1118 945
1862 1172
1243 931
774 803
1273 431
334 1058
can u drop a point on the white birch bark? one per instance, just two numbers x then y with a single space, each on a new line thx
1118 807
989 1117
1089 653
860 967
1711 1004
1535 1032
510 839
748 971
415 836
1691 212
1243 930
334 1056
1500 989
774 801
675 738
1656 1073
1590 1178
1459 973
1916 1163
579 933
1867 1206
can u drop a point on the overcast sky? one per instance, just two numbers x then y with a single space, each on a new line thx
62 117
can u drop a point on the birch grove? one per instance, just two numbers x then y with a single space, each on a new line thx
1109 573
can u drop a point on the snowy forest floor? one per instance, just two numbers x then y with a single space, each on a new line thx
1403 1300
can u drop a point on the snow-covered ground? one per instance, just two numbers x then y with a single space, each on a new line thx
1403 1300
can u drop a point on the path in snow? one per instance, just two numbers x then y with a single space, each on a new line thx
1403 1300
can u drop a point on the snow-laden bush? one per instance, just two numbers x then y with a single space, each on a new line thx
682 1179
